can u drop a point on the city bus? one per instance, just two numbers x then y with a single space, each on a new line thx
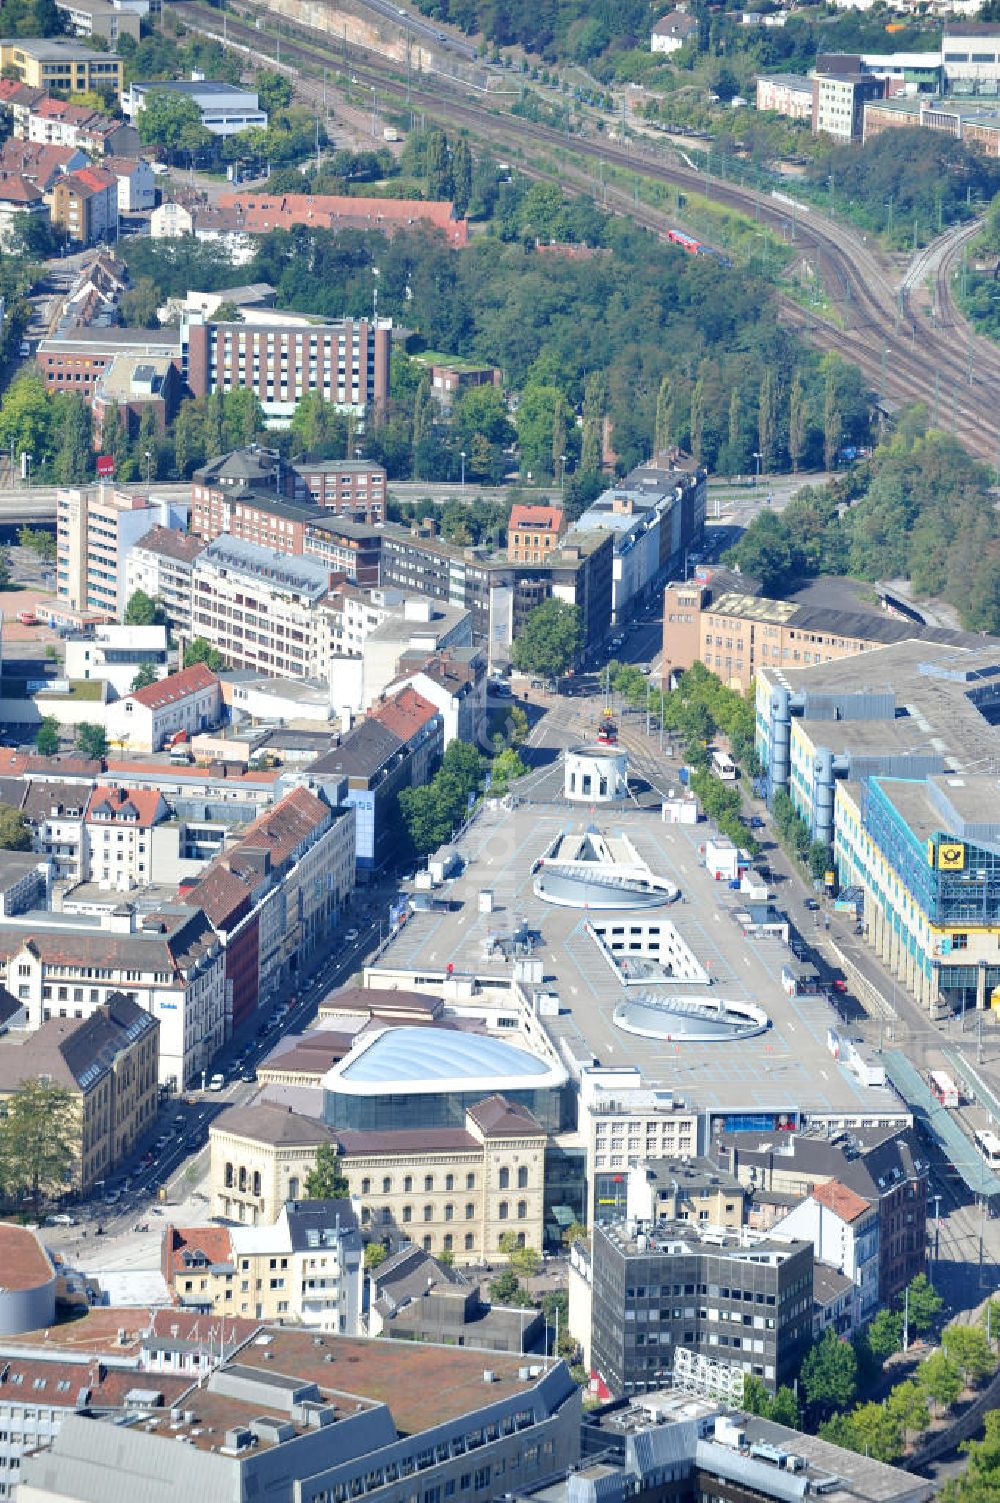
943 1088
989 1147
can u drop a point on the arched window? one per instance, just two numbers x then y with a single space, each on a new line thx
522 1209
449 1213
407 1213
366 1186
293 1187
504 1210
449 1242
449 1182
522 1177
229 1176
505 1178
256 1182
386 1185
407 1184
470 1210
243 1178
428 1181
469 1242
428 1213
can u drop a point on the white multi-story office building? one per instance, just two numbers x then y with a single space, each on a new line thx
261 610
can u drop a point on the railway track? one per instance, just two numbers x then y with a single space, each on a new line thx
904 354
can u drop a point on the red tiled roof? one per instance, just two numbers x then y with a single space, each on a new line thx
122 768
535 517
212 1241
262 212
845 1203
17 190
32 159
93 179
231 879
405 713
136 807
178 686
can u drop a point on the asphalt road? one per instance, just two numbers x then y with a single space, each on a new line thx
422 30
183 1121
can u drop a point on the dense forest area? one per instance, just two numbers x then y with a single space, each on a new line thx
636 339
906 184
920 509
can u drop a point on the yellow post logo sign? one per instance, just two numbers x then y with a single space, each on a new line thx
951 856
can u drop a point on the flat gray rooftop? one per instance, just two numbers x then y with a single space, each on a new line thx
938 687
788 1067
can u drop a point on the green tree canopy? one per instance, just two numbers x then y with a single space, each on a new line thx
969 1350
145 676
172 122
47 737
550 640
40 1143
91 741
829 1374
326 1180
142 610
924 1304
940 1379
199 650
15 835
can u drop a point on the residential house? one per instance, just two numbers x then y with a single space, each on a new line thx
885 1166
85 205
673 31
97 526
688 1188
258 608
108 1062
275 894
160 564
63 965
180 705
19 200
844 1230
455 683
41 164
420 727
55 813
374 762
136 183
533 532
307 1267
118 829
198 1269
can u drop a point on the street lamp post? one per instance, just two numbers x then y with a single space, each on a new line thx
463 469
757 459
562 480
27 467
149 467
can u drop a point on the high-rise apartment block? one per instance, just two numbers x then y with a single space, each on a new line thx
96 529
